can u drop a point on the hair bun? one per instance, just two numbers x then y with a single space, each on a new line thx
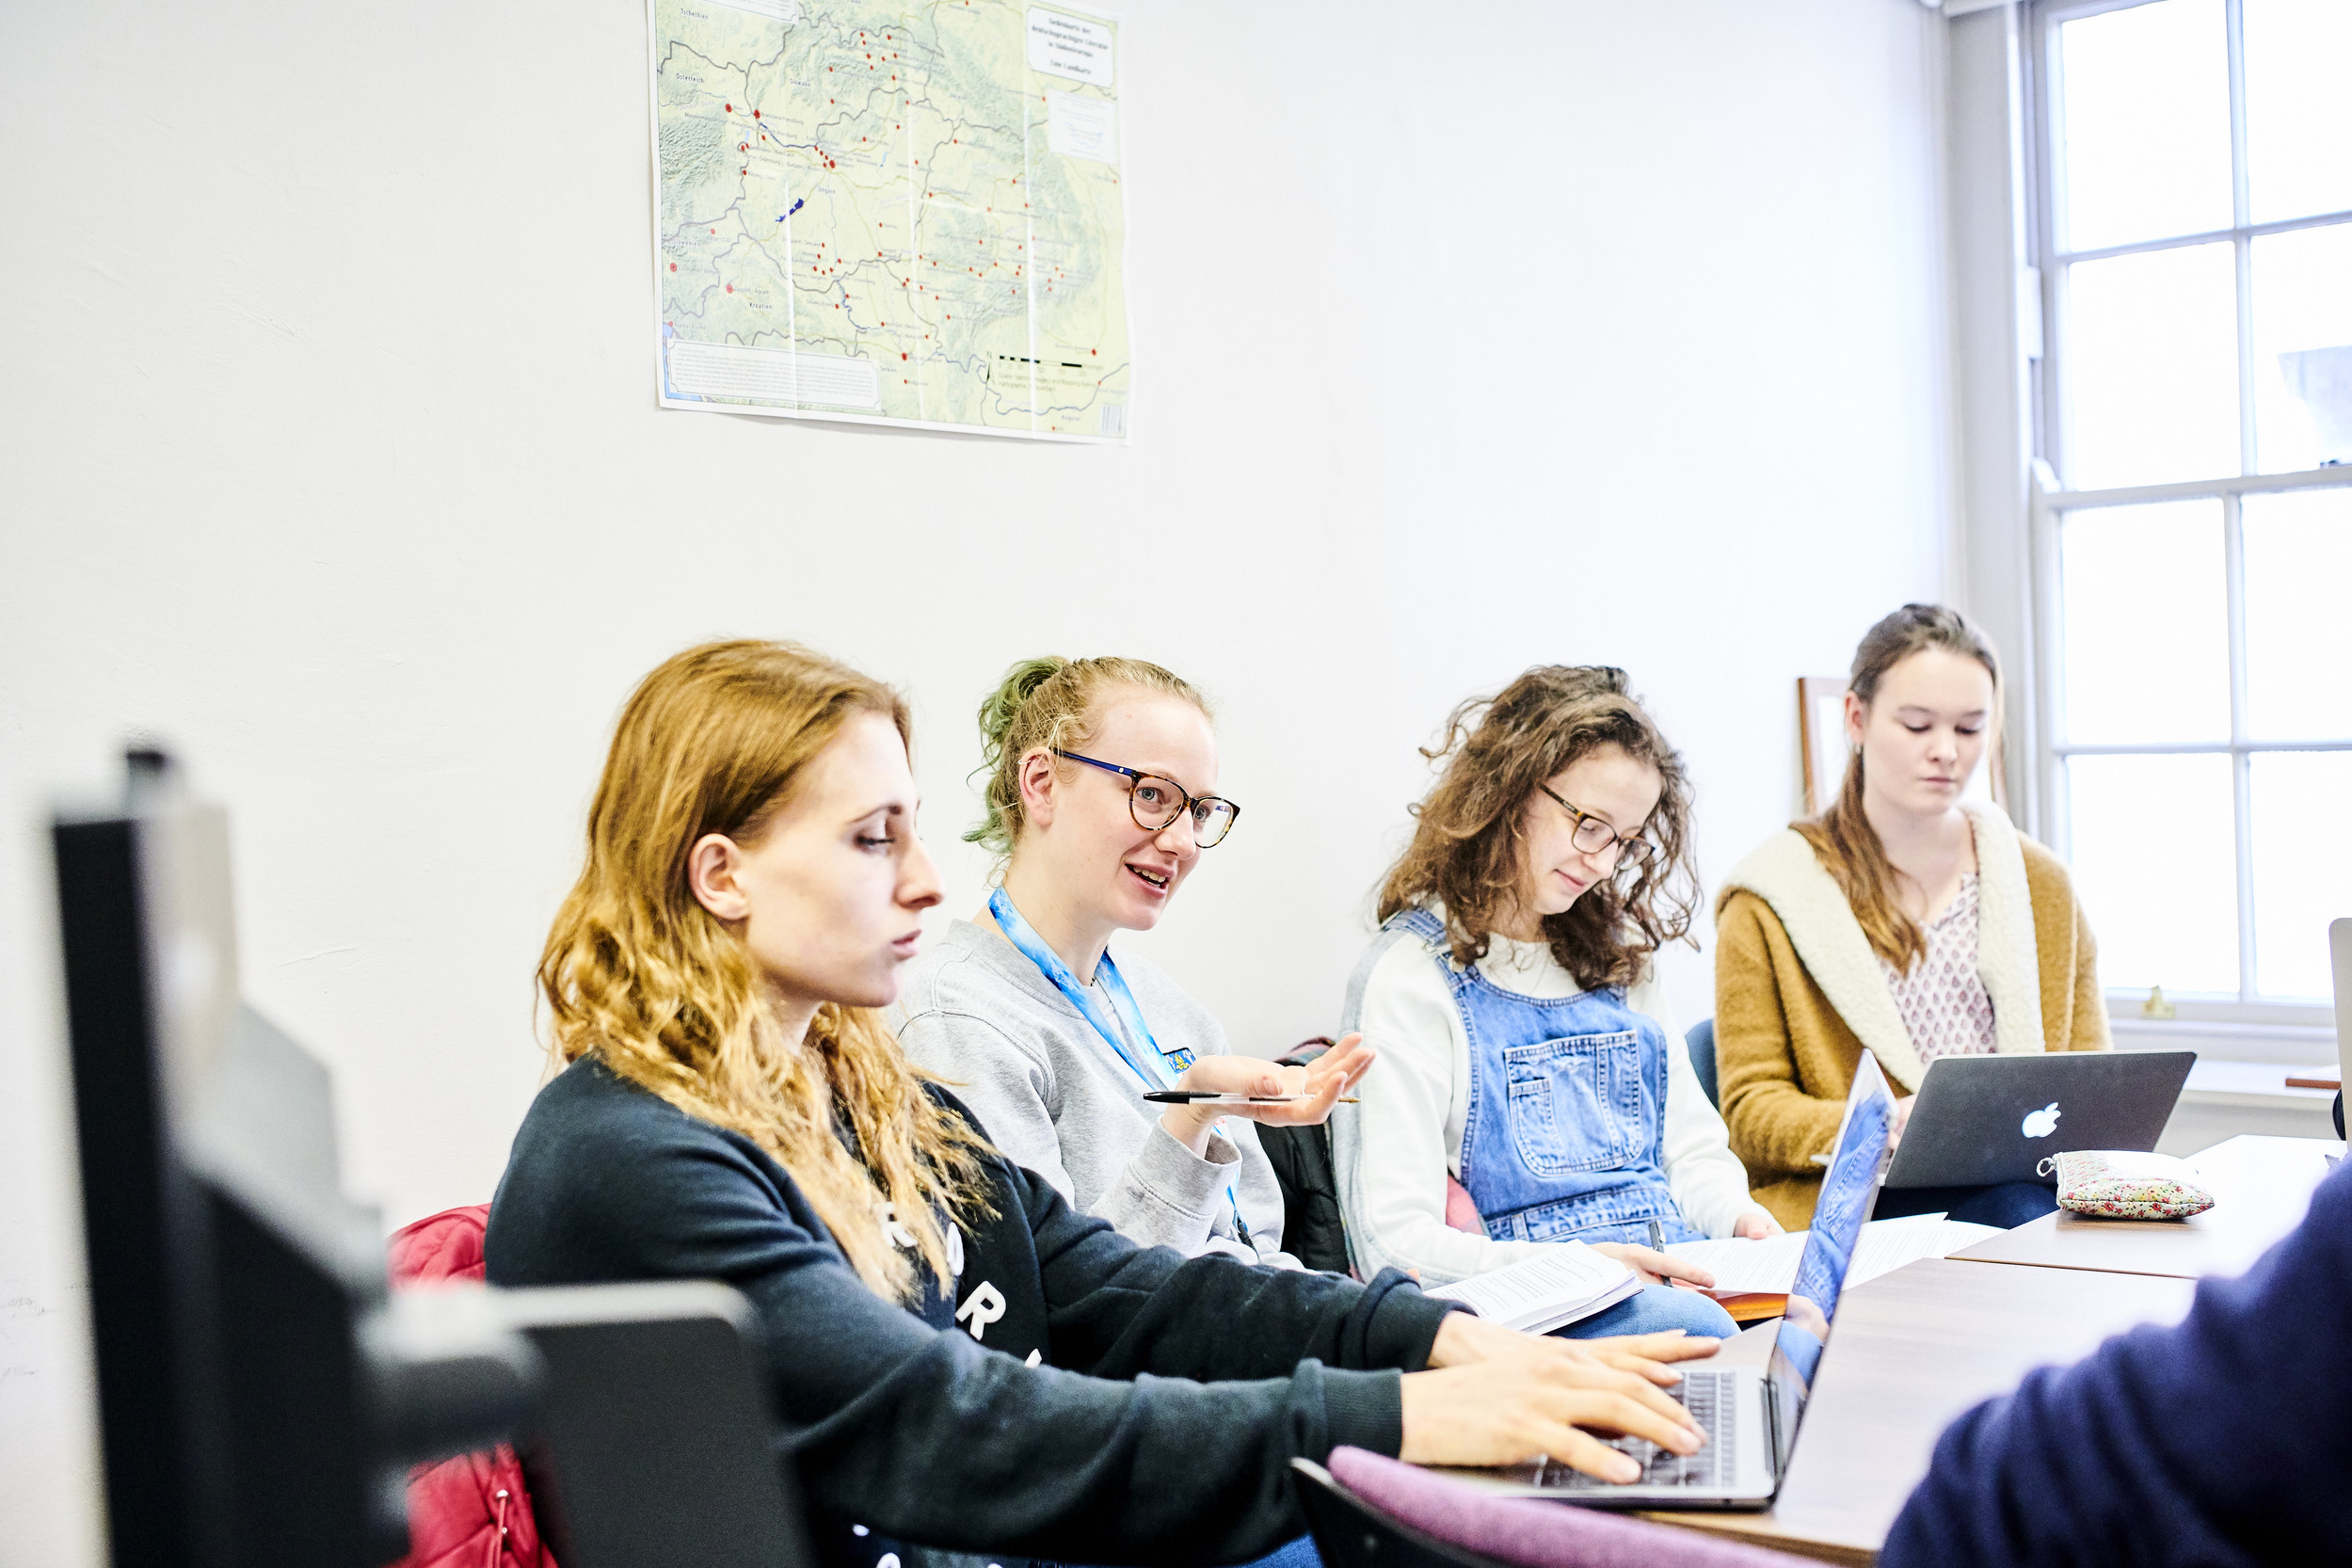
1000 707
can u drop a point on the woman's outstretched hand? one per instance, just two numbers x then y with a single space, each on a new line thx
1321 1080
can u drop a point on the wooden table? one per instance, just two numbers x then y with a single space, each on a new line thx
1911 1350
2261 1187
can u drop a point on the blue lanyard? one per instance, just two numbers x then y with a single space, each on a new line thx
1154 1069
1024 937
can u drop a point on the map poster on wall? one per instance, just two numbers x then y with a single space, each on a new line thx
892 212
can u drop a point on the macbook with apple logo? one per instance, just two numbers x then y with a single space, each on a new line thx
1983 1119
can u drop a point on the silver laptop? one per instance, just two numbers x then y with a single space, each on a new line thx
2339 950
1982 1119
1748 1414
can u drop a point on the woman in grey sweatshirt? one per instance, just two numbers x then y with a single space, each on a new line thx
1049 1040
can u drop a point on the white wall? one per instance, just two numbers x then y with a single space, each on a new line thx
1590 331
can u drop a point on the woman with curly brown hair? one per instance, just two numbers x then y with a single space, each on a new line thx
1531 1089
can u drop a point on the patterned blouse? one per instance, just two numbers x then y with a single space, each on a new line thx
1942 999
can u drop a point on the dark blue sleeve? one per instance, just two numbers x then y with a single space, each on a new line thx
2225 1440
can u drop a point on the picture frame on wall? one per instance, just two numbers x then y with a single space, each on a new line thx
1821 745
1821 738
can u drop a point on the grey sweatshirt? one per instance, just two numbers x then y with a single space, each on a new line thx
1056 1098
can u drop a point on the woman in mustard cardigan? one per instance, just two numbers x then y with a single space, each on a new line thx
1903 920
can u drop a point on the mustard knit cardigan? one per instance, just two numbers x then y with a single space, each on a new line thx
1798 992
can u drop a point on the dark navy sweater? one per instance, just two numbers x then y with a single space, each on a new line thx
1158 1428
2223 1442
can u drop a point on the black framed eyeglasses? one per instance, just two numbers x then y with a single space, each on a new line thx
1155 801
1594 836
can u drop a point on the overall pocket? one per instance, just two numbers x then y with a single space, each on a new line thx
1576 1102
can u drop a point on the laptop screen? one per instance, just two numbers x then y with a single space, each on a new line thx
1847 1192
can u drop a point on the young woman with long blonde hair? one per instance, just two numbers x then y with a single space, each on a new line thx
954 1355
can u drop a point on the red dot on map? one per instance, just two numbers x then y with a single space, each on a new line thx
730 108
755 114
731 288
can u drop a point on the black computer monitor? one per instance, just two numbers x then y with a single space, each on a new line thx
261 1398
252 1408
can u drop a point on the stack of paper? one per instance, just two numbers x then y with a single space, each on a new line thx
1770 1266
1563 1284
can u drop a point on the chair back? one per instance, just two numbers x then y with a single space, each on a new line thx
1313 1229
1700 1041
1351 1534
1452 1524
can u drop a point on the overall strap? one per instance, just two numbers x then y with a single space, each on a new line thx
1431 930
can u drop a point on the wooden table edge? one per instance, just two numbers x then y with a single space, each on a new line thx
1758 1529
2105 1268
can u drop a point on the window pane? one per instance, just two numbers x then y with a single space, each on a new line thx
2155 863
2147 624
2298 637
2303 346
2302 867
2143 141
2152 367
2299 111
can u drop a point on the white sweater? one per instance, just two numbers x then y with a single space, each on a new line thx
1396 1147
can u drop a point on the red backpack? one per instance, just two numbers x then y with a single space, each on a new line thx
471 1510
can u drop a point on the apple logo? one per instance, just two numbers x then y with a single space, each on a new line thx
2041 1123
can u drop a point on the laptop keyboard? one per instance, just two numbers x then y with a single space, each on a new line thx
1708 1398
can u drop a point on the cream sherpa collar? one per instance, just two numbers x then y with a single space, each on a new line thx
1784 873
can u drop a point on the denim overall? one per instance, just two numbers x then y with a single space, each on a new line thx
1565 1135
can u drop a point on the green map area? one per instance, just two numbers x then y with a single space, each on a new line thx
887 212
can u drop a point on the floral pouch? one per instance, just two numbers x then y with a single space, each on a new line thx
2121 1184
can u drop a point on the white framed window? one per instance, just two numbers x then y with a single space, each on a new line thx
2192 222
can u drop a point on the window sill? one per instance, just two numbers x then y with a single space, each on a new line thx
2287 1047
2251 1083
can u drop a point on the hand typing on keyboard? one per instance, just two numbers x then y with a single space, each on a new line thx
1707 1397
1490 1400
